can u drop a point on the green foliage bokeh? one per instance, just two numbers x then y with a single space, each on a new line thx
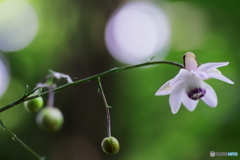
70 39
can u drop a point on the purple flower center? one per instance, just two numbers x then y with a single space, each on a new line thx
196 93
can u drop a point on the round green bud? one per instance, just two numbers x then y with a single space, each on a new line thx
50 119
110 145
34 105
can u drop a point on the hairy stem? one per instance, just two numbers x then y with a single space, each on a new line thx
114 70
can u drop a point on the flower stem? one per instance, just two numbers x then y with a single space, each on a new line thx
113 70
50 87
107 107
21 142
50 101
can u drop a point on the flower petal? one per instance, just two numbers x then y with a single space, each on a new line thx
201 74
213 74
182 75
175 98
165 89
210 97
211 66
189 103
216 71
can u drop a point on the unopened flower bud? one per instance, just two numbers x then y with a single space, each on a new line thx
50 119
34 105
110 145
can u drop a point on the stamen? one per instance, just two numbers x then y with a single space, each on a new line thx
196 93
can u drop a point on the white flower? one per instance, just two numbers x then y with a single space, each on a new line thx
188 87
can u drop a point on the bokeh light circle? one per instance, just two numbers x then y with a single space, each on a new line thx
136 32
4 75
18 25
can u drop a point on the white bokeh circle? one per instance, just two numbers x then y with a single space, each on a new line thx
4 75
18 25
136 32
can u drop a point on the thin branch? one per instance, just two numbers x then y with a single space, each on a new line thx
50 87
114 70
50 97
107 107
21 142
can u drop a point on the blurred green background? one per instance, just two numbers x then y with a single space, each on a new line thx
70 39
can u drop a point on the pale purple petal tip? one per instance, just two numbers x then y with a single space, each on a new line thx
210 97
175 98
188 103
211 66
220 77
165 89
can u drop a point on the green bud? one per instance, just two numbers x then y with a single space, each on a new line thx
50 119
34 105
110 145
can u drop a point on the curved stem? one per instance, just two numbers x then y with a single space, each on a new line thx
114 70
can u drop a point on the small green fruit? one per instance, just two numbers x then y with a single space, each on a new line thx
34 105
110 145
50 119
